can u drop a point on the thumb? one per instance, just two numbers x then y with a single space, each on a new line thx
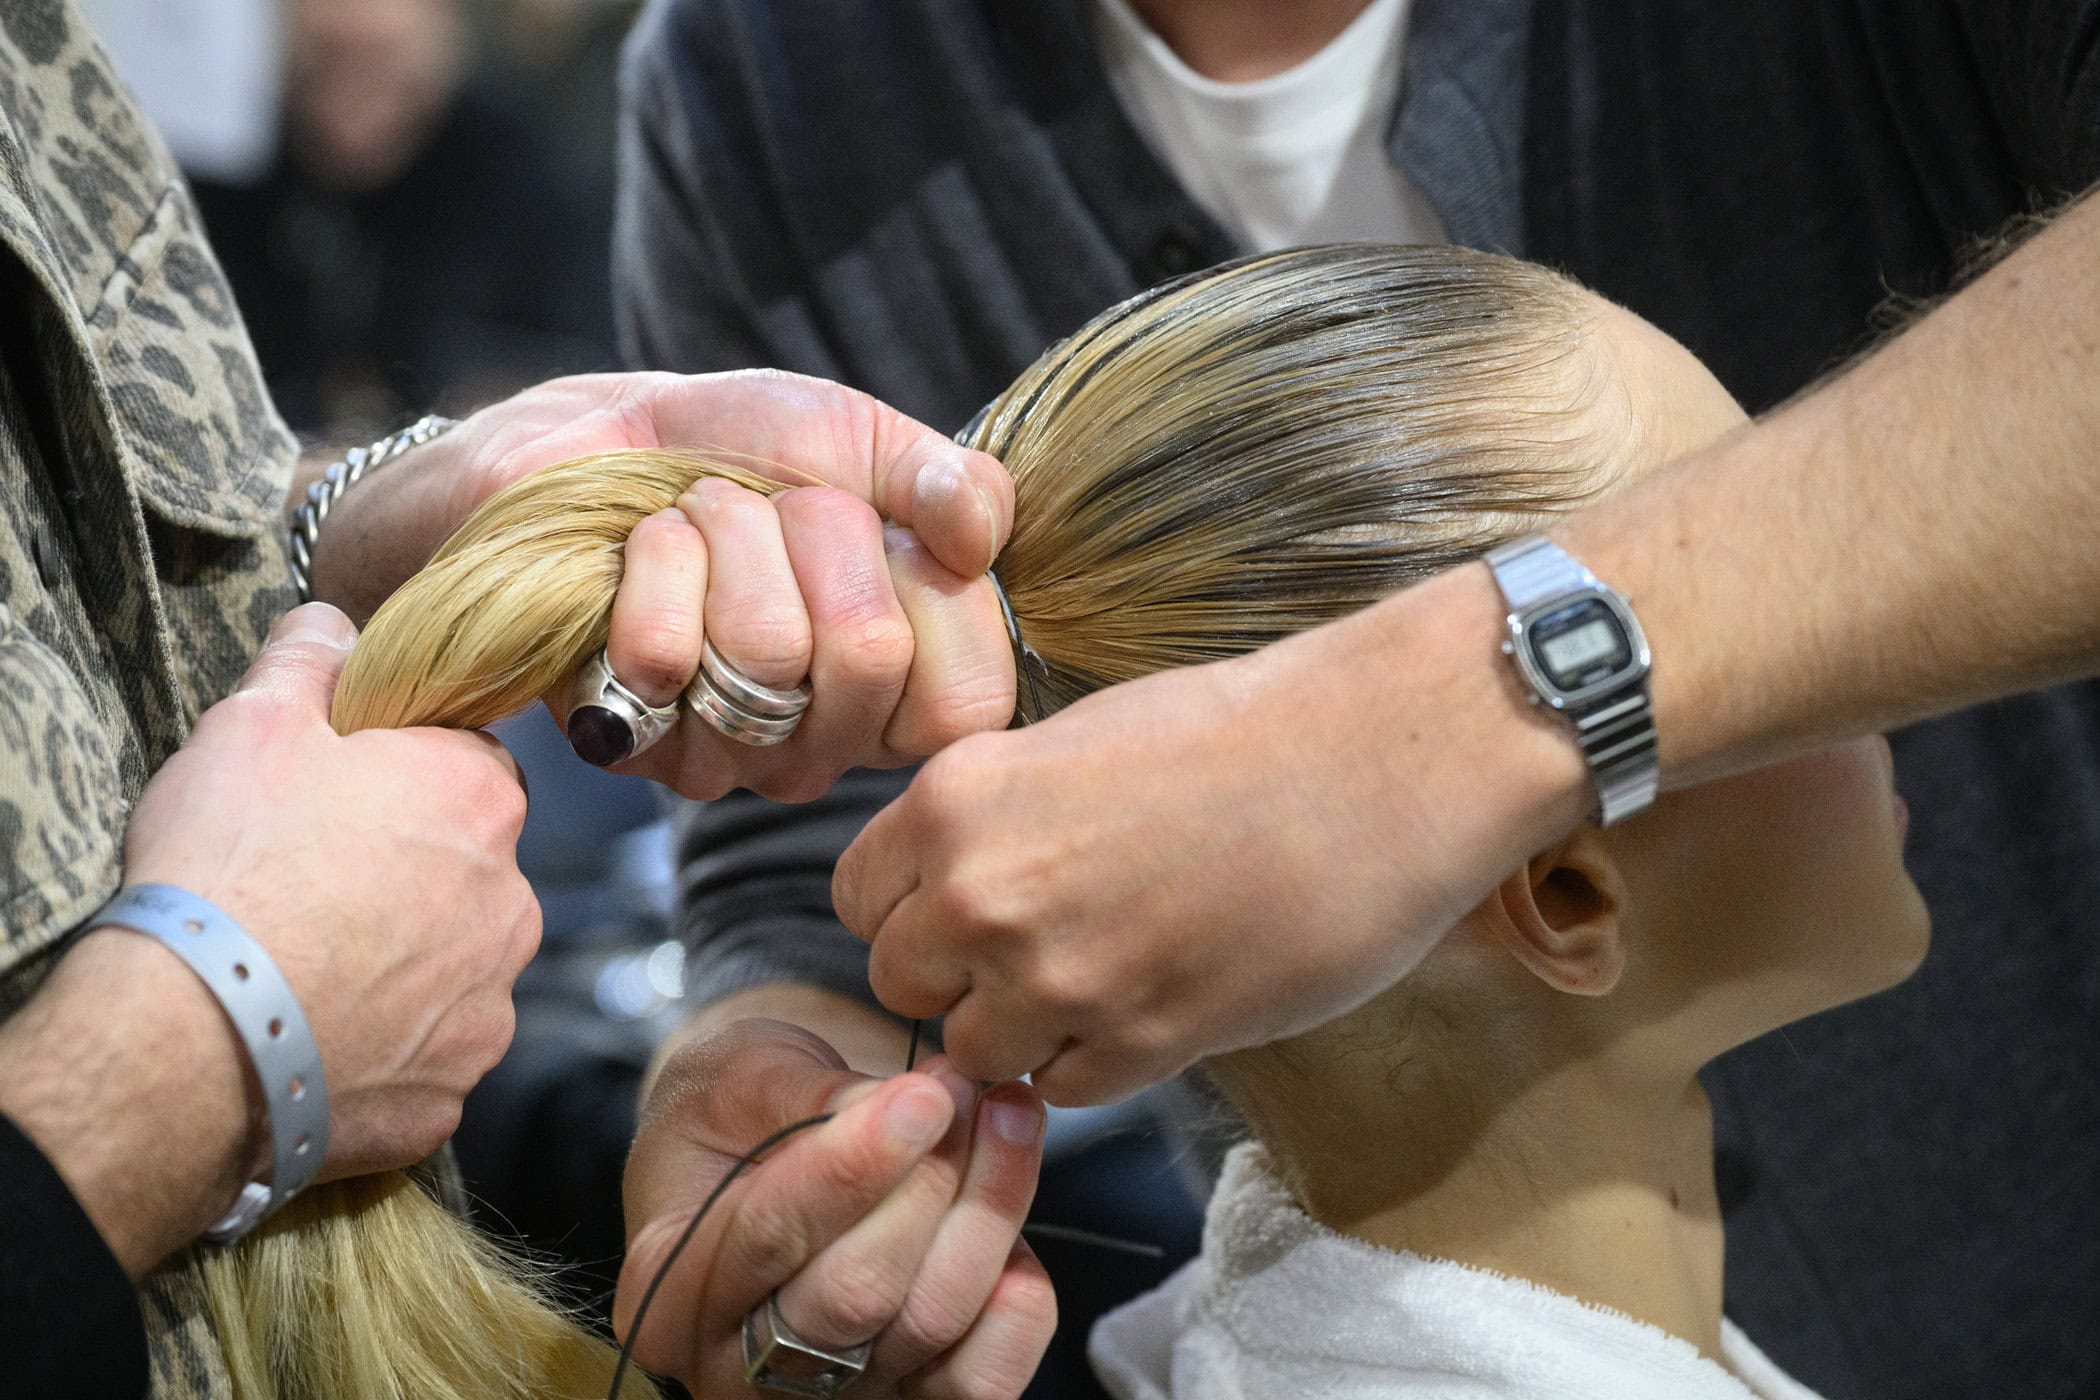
300 662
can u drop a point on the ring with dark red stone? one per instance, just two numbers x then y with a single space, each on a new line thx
607 721
599 736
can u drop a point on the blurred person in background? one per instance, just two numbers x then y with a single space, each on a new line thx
419 240
567 53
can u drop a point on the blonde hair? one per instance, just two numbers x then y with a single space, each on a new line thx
1215 464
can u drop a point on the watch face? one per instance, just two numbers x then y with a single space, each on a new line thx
1581 645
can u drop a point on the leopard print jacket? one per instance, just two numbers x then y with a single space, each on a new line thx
143 471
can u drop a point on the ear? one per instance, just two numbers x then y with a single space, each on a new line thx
1560 915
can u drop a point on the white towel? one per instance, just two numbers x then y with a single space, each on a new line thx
1280 1306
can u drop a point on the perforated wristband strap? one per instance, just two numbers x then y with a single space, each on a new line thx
259 1002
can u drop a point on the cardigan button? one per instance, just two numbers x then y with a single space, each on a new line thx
43 548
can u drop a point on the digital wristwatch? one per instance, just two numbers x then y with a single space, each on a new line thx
1580 651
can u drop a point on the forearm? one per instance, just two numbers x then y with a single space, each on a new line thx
126 1075
1921 533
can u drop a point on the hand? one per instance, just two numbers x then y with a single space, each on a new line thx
378 870
897 1220
1210 858
896 630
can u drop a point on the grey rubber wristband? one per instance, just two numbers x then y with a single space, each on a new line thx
259 1002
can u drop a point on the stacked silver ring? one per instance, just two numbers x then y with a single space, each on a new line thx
739 708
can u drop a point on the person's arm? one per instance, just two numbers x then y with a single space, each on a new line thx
122 1068
1920 533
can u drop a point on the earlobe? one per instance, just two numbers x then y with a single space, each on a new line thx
1560 915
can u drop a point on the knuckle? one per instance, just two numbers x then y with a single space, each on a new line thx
857 1296
969 709
880 647
661 647
767 638
933 1318
828 508
847 1169
525 932
432 1125
950 786
502 1026
764 1244
800 786
1063 984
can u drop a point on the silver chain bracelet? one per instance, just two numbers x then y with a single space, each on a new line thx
323 494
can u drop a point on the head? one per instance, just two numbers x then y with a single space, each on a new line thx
1268 446
367 81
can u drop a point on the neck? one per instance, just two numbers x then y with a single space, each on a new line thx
1576 1180
1244 41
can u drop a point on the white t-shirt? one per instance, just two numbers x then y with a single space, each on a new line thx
1296 158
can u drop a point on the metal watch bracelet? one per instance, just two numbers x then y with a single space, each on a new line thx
266 1016
1615 730
340 477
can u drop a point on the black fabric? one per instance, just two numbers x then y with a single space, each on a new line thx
917 196
70 1327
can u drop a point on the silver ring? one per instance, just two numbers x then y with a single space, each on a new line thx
761 701
739 708
607 721
803 1368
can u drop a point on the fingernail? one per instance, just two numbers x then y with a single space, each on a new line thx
941 483
991 527
1018 1123
917 1118
315 622
961 1090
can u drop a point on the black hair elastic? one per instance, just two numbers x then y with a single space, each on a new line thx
1029 661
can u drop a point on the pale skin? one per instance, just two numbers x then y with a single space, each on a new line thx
1086 882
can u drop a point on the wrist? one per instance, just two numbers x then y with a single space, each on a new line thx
1513 777
379 531
130 1080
